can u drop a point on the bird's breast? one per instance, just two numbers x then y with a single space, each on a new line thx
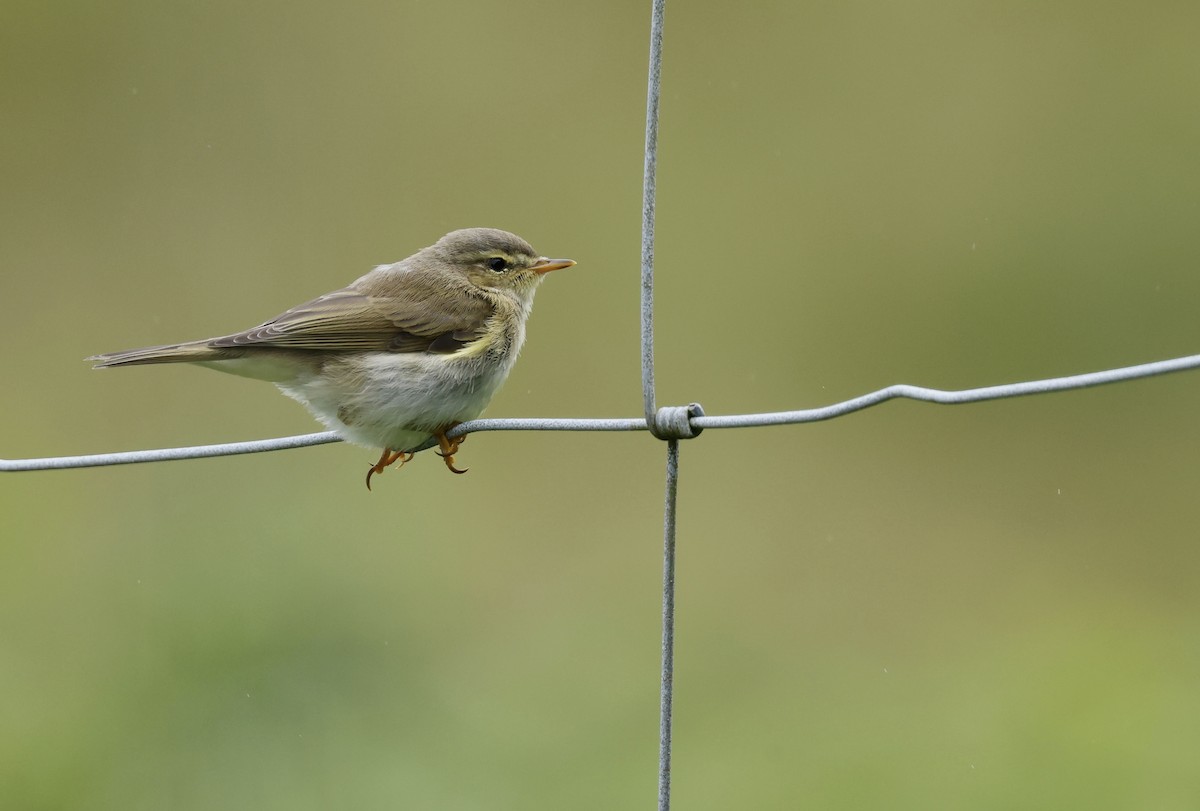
501 341
389 399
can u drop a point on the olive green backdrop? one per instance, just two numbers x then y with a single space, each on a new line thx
984 606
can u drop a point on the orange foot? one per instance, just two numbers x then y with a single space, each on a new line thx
449 447
386 458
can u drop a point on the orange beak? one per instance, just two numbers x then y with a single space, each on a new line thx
545 265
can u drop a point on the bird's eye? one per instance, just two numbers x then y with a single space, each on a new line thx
497 264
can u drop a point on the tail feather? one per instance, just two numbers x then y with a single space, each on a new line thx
193 352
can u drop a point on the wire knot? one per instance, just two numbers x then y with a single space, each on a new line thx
675 422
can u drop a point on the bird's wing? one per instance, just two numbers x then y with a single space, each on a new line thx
415 320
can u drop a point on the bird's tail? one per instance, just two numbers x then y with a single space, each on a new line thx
192 352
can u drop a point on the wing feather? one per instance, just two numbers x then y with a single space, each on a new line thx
411 318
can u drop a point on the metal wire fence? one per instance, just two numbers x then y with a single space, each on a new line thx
670 424
676 422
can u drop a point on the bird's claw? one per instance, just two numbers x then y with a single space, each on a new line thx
448 447
449 460
386 458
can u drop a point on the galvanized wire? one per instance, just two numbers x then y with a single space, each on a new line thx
667 680
907 392
650 412
943 397
169 454
649 172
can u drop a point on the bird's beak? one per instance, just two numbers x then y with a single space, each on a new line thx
545 265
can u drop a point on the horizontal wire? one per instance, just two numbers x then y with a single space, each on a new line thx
944 397
635 424
169 454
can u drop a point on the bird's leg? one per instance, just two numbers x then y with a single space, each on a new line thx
386 458
449 447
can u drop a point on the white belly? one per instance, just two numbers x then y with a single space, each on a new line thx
397 401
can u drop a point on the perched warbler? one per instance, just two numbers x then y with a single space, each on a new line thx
402 354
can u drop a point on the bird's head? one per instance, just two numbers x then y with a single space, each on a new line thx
496 260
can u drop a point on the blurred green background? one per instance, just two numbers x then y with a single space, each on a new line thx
987 606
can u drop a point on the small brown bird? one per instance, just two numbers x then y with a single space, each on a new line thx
402 354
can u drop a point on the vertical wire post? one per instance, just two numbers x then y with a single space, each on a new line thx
648 192
666 691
